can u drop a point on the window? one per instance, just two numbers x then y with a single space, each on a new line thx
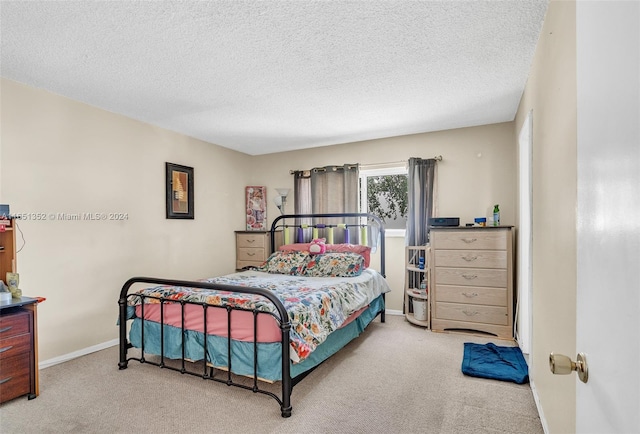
383 192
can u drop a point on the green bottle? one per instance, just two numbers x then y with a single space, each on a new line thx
496 215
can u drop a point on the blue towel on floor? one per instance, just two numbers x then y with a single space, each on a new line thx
492 361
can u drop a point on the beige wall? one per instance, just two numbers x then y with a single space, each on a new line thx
62 156
551 94
478 170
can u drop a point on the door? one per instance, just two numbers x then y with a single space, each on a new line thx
608 215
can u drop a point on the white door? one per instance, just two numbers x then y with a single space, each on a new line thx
608 215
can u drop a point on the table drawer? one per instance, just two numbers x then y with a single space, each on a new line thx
14 345
471 276
15 377
15 324
471 294
250 240
471 258
247 254
472 313
482 239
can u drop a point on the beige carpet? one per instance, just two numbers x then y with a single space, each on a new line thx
394 378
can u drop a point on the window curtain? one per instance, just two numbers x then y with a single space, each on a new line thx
325 190
420 186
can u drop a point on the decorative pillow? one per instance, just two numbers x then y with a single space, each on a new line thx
335 265
297 247
365 251
286 262
317 246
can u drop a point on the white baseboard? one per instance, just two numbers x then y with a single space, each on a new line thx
393 312
79 353
536 398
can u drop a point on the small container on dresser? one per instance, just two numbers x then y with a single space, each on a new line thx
18 349
472 272
254 247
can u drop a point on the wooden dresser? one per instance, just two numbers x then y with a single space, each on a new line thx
18 349
254 247
472 280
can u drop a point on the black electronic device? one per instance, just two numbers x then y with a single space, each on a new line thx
444 221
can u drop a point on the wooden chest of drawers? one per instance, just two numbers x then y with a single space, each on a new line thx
472 280
18 374
253 248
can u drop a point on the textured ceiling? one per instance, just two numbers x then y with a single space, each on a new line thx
270 76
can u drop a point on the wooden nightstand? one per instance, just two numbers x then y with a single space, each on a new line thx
19 349
253 247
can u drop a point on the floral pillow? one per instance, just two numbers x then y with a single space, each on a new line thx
335 265
365 251
286 262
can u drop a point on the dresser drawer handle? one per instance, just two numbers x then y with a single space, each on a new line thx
470 313
251 253
6 329
2 350
469 240
469 258
5 380
473 294
251 241
469 276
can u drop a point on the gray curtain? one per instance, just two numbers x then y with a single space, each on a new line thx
325 190
421 174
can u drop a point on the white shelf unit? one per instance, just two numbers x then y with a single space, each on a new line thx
416 286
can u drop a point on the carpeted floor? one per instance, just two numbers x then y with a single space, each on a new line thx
394 378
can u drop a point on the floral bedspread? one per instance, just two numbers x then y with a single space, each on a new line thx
316 306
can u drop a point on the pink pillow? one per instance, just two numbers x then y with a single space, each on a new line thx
297 247
365 251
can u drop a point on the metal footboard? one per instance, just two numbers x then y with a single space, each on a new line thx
208 372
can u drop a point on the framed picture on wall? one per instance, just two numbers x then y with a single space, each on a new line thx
256 215
179 191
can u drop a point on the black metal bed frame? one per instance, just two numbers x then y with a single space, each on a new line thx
209 372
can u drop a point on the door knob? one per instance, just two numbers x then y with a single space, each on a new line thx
563 365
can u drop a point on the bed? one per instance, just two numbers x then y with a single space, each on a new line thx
272 324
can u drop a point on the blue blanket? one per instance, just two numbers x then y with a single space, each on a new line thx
492 361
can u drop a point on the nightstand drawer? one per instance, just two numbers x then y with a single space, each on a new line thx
15 324
15 377
250 240
14 345
483 239
472 294
472 313
247 254
244 264
471 258
471 276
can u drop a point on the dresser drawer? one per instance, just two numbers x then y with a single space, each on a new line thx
251 240
482 239
244 264
14 345
471 258
471 277
15 324
472 313
472 295
247 254
15 377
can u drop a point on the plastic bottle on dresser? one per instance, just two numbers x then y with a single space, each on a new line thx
496 215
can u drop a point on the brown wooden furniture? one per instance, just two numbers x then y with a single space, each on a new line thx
472 275
19 349
7 249
253 247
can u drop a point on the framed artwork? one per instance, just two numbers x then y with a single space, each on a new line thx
179 191
256 200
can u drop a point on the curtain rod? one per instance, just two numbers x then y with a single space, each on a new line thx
437 158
